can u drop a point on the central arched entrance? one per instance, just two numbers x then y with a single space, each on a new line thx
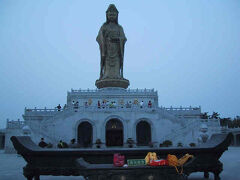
85 132
114 133
143 133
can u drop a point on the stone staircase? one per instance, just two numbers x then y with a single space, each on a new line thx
169 116
180 134
42 132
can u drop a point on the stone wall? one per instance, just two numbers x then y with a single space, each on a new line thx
14 128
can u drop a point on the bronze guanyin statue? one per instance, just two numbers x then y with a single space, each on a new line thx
111 40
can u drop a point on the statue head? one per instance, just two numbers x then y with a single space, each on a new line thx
112 14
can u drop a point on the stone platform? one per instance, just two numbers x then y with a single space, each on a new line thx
103 83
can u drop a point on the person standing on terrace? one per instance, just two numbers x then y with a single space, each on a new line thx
42 143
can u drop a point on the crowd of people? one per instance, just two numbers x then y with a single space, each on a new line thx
61 144
107 104
113 104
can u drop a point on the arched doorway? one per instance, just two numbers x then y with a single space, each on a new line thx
114 133
85 132
238 140
143 133
2 141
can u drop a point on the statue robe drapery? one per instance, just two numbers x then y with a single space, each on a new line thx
111 40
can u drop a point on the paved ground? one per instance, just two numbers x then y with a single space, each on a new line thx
11 167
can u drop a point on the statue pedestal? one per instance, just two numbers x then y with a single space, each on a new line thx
102 83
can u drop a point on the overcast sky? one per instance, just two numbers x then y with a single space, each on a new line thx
189 51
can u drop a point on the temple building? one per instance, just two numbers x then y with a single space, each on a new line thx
112 113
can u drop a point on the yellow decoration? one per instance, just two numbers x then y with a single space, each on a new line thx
174 161
89 102
150 156
135 101
184 159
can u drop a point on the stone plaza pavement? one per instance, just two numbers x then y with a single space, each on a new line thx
11 167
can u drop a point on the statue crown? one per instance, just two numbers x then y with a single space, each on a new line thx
112 8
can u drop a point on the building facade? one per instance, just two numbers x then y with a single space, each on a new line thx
110 114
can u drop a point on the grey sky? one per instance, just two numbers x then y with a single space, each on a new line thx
187 50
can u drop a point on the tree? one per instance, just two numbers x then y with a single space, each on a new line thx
230 123
215 115
204 115
225 122
237 118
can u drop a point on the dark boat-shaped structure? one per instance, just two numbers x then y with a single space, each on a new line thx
87 161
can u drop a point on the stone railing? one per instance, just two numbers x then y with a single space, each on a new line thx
184 112
91 108
112 90
11 124
125 107
227 129
182 108
83 90
44 111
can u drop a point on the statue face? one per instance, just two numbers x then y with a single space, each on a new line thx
112 16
